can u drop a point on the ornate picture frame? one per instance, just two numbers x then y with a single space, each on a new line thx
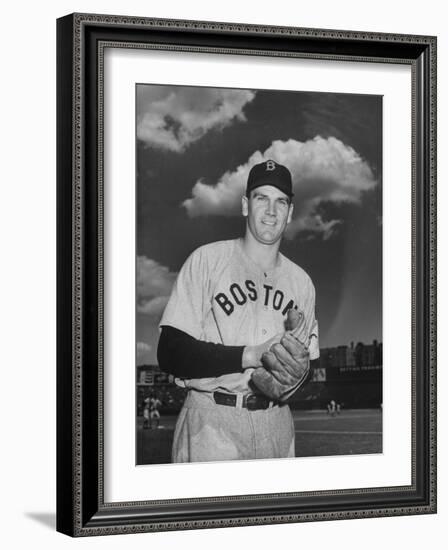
81 506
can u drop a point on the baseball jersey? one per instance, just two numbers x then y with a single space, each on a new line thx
222 296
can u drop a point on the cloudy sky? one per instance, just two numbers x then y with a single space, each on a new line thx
195 147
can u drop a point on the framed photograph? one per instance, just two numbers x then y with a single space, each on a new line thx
337 210
246 274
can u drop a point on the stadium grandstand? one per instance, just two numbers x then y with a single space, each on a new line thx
350 375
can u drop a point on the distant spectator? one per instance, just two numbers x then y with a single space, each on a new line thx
146 415
154 405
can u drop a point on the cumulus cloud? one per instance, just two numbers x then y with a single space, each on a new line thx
173 117
154 306
143 352
143 347
324 170
154 284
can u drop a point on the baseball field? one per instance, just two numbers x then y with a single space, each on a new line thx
357 431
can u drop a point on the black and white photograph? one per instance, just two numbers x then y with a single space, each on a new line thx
258 274
160 159
246 275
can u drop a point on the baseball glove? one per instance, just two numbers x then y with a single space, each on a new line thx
286 365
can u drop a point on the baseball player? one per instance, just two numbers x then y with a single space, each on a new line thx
146 417
239 331
154 414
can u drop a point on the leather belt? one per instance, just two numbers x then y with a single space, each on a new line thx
251 401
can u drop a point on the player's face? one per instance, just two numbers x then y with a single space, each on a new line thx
268 211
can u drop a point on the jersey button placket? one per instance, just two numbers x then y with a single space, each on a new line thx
266 280
265 323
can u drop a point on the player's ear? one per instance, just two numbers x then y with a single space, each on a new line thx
291 210
245 205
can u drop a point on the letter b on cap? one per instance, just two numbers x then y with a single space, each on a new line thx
270 165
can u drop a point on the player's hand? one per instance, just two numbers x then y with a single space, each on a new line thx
252 355
286 365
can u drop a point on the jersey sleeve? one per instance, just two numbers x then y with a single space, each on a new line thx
187 304
311 322
183 356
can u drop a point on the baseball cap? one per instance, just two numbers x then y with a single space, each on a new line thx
270 173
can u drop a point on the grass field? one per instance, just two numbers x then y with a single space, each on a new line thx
317 434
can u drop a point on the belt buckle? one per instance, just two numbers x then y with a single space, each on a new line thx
251 402
226 399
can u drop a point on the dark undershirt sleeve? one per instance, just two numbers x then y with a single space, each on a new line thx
183 356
